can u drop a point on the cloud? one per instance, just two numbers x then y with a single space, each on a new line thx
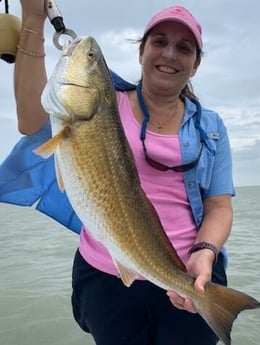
227 81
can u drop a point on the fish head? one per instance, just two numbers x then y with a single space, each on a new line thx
78 86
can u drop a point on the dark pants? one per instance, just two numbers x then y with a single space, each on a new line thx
139 315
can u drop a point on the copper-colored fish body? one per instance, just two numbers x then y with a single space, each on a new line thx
97 169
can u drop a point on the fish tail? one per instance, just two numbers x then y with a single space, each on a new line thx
223 306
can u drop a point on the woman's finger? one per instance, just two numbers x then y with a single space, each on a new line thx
181 302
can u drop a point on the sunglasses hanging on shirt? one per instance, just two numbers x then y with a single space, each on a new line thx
155 164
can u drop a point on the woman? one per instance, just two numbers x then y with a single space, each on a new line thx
184 163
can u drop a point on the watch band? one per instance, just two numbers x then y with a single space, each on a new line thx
204 245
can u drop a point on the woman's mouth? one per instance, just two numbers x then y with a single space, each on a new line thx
166 69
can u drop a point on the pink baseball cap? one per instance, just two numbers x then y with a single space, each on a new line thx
178 14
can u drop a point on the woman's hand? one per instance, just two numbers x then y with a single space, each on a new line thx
198 266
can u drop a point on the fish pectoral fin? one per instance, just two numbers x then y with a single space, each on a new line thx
127 276
58 175
48 148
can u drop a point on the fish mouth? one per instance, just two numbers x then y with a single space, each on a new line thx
73 84
70 46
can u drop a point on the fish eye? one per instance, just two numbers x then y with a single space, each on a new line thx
91 54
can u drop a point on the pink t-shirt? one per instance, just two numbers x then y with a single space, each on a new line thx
165 190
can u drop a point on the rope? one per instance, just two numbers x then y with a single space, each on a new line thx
6 6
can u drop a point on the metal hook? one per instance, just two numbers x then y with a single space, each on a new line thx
56 20
57 35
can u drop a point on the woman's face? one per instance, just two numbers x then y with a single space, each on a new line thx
169 57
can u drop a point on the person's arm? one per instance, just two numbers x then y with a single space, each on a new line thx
215 229
217 222
30 74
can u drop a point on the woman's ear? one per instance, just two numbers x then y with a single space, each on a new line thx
141 50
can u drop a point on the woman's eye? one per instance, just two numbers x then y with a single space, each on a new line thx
159 41
185 48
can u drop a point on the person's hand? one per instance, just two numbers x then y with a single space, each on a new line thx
198 266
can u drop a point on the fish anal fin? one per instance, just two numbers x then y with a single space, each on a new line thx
48 148
127 276
222 308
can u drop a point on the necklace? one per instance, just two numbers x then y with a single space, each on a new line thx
160 124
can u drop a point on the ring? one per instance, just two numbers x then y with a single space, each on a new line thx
57 35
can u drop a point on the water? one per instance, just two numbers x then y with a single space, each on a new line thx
36 257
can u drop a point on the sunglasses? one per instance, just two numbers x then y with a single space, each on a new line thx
178 168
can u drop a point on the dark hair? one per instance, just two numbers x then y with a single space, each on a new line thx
187 91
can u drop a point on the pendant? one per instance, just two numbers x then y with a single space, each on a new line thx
160 127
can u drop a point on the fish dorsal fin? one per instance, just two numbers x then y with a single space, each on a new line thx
127 276
58 175
48 148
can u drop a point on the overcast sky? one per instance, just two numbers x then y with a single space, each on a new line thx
228 80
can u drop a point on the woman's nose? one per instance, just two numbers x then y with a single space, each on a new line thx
170 52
